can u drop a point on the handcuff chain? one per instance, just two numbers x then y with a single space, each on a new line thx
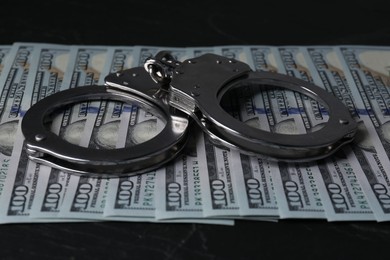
161 67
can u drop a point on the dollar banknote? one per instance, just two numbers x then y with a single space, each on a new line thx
91 198
253 175
261 58
234 195
180 193
132 122
220 194
345 197
337 173
4 51
209 207
276 110
53 184
366 69
294 61
84 66
135 195
231 52
45 75
13 84
96 190
205 184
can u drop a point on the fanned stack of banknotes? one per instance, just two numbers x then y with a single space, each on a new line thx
205 184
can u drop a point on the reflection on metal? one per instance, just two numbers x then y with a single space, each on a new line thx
175 92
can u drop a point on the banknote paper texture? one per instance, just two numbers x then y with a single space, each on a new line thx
329 176
86 197
367 69
95 190
346 197
253 175
9 130
45 73
206 183
84 68
220 195
180 193
4 50
13 82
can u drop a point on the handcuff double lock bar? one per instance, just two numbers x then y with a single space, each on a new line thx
183 92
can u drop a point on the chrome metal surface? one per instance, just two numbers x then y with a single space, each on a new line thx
211 76
45 147
176 91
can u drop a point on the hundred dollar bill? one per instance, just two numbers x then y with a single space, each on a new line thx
231 52
219 195
344 197
115 205
98 191
298 192
88 203
100 132
86 197
44 76
297 185
237 164
13 84
118 59
106 135
261 58
366 69
4 50
140 124
84 68
133 196
219 190
178 198
273 111
253 176
334 173
260 111
10 129
118 126
312 114
57 184
179 194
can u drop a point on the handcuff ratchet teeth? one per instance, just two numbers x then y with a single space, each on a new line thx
181 91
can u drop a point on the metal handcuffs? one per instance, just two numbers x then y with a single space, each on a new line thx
183 92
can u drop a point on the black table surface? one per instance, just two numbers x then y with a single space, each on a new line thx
186 24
